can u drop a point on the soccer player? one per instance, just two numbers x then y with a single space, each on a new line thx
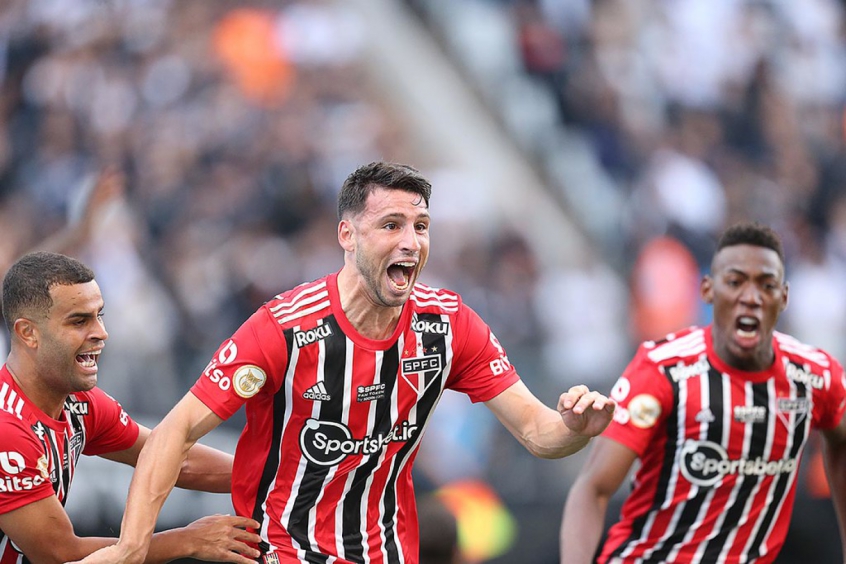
718 416
339 377
51 412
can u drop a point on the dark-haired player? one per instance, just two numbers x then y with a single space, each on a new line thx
718 417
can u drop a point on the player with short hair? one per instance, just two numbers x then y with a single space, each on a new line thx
718 417
339 377
51 412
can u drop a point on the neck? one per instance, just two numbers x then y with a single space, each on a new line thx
371 320
36 392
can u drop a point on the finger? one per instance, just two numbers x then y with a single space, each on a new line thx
242 522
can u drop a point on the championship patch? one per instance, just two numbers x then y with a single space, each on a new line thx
644 410
43 467
248 380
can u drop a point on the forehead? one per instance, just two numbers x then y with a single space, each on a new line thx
749 259
385 201
72 298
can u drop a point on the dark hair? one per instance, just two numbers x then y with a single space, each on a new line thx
364 179
751 233
438 531
26 286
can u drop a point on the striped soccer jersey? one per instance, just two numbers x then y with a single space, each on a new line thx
334 420
719 448
38 454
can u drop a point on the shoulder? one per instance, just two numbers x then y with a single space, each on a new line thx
802 353
16 432
427 299
685 346
307 299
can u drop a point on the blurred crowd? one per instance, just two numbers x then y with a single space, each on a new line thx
234 124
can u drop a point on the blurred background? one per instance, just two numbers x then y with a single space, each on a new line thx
584 155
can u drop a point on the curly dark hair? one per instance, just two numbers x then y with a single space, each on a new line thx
751 233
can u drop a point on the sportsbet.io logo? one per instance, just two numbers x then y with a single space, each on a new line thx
327 443
704 463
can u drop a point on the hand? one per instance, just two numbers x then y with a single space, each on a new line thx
109 187
585 412
217 538
222 538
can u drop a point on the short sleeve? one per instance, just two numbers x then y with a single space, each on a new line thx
830 403
110 429
645 399
480 368
24 469
239 368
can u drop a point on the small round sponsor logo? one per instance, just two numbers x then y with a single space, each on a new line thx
644 410
248 380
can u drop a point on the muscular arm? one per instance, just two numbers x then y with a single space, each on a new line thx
548 433
834 457
155 476
205 469
584 513
43 531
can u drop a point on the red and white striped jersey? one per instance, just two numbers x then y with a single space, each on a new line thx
719 448
38 454
334 420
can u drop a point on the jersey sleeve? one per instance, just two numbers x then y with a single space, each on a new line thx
110 429
480 367
644 401
830 405
24 472
240 369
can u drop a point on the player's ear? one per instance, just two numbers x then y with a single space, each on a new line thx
706 289
345 235
26 331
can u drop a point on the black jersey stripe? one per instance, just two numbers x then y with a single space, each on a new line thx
747 484
798 436
271 461
355 502
314 477
433 344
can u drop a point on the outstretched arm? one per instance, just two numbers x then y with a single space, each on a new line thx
155 476
834 457
43 531
584 513
545 432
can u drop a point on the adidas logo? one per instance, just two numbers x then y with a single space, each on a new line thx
317 393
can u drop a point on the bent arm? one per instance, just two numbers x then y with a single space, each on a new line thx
156 473
548 433
834 458
205 469
587 503
43 531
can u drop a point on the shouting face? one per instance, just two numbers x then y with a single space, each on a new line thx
748 292
71 337
390 242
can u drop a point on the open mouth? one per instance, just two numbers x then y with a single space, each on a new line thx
400 274
88 360
747 327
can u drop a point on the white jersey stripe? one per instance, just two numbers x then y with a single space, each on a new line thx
304 312
293 301
676 347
